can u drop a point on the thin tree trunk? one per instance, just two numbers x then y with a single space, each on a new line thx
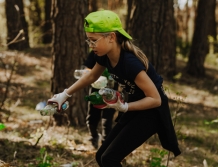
47 27
103 4
128 16
93 5
204 22
17 27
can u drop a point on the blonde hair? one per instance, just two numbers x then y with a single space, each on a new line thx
127 45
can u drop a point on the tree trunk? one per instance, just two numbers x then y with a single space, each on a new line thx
205 21
93 5
103 4
47 27
128 15
153 28
115 4
17 27
69 52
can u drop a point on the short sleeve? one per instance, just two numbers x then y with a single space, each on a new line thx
133 66
102 60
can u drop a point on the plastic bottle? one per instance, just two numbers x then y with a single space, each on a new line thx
106 73
96 99
79 73
40 105
110 82
111 95
51 109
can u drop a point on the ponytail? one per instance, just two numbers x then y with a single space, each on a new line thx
127 45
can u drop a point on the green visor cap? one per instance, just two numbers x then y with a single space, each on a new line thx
104 21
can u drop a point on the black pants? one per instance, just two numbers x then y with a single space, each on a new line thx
131 131
95 116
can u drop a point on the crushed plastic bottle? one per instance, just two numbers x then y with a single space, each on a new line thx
51 109
111 95
79 73
101 82
40 105
105 94
96 99
110 82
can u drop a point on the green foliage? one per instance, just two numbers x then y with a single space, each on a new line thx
157 157
212 56
177 76
183 47
212 123
75 164
2 126
44 160
213 44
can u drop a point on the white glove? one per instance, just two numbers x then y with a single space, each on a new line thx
59 99
119 106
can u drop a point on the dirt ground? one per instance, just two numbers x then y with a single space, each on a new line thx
31 140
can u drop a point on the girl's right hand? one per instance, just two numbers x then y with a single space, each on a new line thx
119 105
59 99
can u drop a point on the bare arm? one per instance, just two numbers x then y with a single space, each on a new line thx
152 98
87 79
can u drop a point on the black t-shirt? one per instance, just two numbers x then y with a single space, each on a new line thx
90 61
126 71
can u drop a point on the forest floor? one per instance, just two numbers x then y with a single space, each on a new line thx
31 140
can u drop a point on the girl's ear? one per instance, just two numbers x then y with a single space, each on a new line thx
112 37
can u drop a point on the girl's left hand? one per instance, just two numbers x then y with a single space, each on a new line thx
119 106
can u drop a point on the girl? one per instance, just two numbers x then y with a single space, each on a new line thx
147 111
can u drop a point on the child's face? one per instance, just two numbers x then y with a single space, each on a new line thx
100 44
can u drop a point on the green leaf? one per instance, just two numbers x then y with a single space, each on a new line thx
2 126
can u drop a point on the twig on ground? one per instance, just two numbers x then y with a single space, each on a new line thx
38 140
89 162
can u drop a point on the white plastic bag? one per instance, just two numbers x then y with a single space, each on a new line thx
100 83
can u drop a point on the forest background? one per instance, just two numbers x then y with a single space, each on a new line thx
43 42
